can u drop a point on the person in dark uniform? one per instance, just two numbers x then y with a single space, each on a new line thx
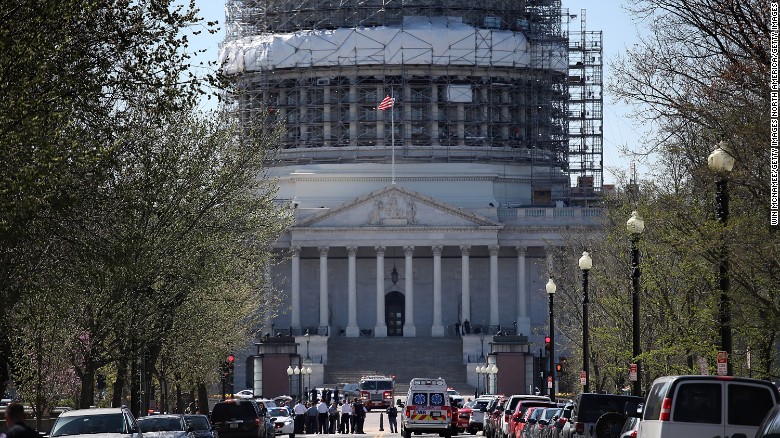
14 420
359 412
392 416
467 327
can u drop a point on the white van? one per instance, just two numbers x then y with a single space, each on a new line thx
706 406
427 408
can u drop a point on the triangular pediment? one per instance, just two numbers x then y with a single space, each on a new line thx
394 206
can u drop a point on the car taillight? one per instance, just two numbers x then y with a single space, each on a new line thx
257 422
388 394
580 428
666 410
449 413
633 434
364 394
409 411
279 425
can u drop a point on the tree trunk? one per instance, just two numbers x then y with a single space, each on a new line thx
119 384
203 399
87 396
179 401
135 402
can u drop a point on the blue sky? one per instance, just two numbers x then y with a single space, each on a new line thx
619 33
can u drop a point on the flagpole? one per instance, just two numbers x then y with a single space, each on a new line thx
392 141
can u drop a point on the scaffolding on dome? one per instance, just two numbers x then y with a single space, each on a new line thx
480 80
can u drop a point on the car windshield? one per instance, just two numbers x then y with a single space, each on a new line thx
278 412
159 424
89 424
377 385
197 422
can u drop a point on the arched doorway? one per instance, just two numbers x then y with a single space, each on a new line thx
394 313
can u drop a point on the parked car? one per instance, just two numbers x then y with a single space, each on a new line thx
770 427
245 393
283 421
108 422
493 414
544 422
506 423
590 407
240 418
529 421
562 421
478 413
164 426
630 428
709 405
464 416
200 426
518 415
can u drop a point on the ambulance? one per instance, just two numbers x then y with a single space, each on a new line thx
427 408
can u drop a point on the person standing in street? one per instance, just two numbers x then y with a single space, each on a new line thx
359 412
14 420
311 418
333 417
322 417
300 417
346 414
392 417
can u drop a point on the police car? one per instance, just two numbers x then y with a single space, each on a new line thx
427 408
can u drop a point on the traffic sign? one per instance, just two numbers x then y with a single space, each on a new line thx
583 377
549 383
723 361
632 372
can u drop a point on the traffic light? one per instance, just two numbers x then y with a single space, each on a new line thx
224 369
231 361
558 367
547 345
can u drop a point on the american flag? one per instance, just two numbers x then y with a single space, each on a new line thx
387 103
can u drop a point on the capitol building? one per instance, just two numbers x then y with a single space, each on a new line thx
433 216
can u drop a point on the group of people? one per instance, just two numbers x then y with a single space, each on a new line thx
320 418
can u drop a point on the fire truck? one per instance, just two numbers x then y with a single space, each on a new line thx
427 408
376 391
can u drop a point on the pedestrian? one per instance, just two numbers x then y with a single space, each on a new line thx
333 417
322 417
392 415
14 420
311 419
467 327
346 413
300 417
359 411
457 328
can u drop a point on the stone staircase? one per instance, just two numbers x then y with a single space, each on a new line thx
406 358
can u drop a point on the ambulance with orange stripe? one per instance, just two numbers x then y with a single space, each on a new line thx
427 408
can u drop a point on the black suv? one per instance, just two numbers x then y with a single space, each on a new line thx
590 407
240 419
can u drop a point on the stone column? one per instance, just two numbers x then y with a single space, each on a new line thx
409 329
494 284
380 331
523 318
465 283
323 286
437 329
295 284
352 328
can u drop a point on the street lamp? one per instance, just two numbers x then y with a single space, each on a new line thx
479 377
492 371
482 344
290 373
297 372
307 337
722 162
550 288
585 263
635 227
308 373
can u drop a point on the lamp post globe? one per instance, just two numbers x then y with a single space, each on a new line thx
585 264
290 371
550 287
635 226
721 161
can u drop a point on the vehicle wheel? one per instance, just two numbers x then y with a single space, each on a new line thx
609 425
292 435
407 433
473 431
454 431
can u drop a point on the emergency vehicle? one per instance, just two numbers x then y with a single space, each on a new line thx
427 408
376 391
